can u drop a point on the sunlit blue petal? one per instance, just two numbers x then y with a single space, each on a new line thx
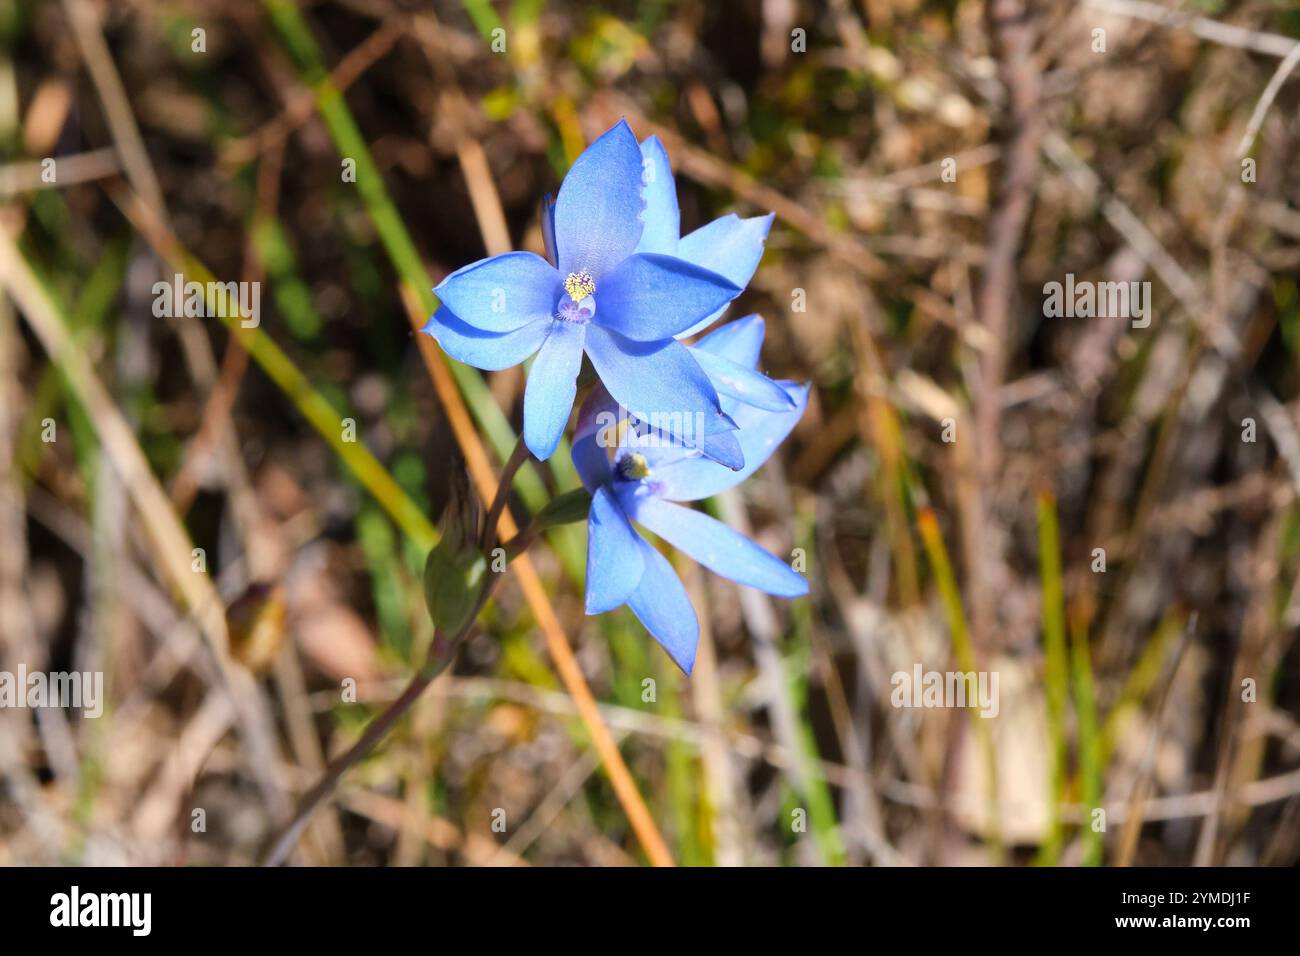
716 546
740 341
552 385
662 218
729 246
658 382
743 384
662 605
649 297
759 432
486 350
598 211
614 558
502 293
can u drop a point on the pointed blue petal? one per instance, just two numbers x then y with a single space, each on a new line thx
658 382
662 218
486 350
743 384
598 211
759 433
725 449
614 559
729 246
548 227
648 297
662 605
741 340
552 385
715 545
502 293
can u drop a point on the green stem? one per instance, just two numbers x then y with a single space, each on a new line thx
1056 668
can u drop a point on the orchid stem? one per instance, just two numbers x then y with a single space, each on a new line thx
287 838
442 652
517 458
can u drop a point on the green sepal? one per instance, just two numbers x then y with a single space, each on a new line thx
565 509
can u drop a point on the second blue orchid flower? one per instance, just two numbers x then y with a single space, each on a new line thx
642 476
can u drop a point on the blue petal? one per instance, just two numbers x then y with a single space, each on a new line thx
662 605
743 384
716 546
729 246
725 449
552 385
502 293
650 297
614 559
548 227
741 340
759 433
486 350
662 218
589 453
598 211
659 383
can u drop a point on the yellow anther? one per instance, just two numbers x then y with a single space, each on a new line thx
634 467
579 285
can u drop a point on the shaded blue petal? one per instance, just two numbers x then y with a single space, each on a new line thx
743 384
729 246
717 546
759 433
741 340
486 350
659 383
662 605
552 385
502 293
614 559
548 227
598 211
589 454
725 449
662 218
648 297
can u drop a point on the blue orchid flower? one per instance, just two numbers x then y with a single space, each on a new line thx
729 246
598 294
642 477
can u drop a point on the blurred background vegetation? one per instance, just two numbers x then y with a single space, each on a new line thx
1103 515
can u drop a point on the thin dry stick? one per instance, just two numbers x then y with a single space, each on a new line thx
483 195
1128 839
566 663
1203 27
439 833
1266 100
1015 35
28 176
117 107
302 104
